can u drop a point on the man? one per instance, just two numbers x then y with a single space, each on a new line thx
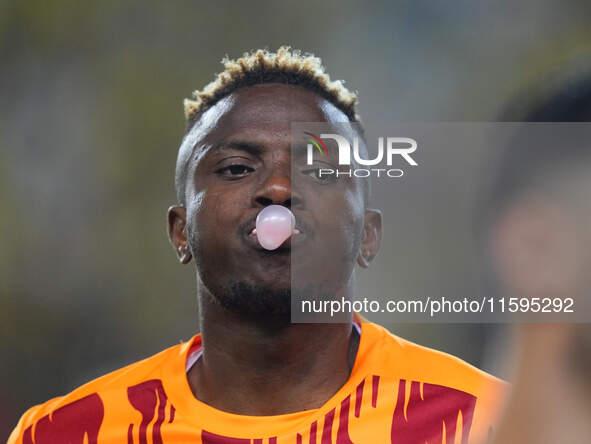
540 240
252 376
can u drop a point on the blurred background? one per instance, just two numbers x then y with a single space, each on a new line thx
91 120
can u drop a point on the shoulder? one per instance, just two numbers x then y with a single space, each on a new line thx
433 382
396 357
86 403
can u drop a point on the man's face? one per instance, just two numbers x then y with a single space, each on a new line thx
239 160
541 241
541 249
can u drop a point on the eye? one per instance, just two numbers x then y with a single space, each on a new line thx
235 171
321 175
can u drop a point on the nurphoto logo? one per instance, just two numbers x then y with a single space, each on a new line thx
388 149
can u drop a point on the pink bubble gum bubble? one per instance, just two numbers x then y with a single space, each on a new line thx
274 225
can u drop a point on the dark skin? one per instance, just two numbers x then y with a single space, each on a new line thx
238 160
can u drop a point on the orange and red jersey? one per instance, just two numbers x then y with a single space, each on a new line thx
398 392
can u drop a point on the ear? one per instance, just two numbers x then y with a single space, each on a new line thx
177 233
372 237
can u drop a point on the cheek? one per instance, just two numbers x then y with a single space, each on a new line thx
344 221
336 244
212 218
194 204
205 222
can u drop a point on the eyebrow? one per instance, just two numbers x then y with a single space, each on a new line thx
252 148
299 150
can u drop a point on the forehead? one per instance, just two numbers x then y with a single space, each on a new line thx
263 108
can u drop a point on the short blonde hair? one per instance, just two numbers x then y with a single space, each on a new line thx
286 66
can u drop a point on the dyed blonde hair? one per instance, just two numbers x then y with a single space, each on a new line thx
286 66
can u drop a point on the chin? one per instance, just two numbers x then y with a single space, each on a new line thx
255 300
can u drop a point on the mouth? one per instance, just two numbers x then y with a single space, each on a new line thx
295 240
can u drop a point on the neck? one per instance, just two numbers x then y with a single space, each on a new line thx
549 403
262 368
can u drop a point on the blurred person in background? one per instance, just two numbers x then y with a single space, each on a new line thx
252 376
540 243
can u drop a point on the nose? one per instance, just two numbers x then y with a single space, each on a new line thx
277 190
